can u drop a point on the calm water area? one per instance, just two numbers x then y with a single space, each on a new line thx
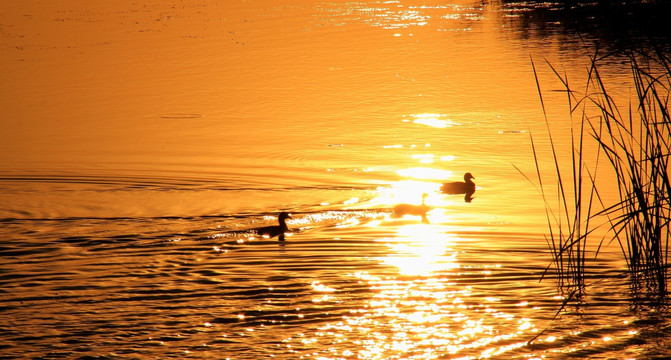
140 141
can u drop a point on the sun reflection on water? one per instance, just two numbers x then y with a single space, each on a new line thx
420 249
393 15
406 191
427 299
433 120
425 173
426 308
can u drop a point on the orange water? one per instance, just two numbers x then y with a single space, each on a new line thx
141 140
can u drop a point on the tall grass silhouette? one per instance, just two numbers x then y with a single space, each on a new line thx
633 147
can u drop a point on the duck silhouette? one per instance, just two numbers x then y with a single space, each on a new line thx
276 230
410 209
458 187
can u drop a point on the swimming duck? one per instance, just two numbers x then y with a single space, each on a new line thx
276 230
458 187
410 209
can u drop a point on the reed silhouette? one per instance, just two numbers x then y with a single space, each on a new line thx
410 209
275 230
466 187
636 146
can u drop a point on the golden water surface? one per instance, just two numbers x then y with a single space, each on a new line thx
142 140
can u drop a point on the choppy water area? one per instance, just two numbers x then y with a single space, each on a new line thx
144 140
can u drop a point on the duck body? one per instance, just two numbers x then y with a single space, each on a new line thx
275 230
410 209
458 187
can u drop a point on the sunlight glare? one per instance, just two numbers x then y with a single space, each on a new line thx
425 173
433 120
406 191
421 249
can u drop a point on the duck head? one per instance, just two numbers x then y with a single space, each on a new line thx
284 215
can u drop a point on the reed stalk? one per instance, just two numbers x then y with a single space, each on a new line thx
637 148
569 225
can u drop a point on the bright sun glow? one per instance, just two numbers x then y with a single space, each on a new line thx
420 249
425 173
433 120
407 191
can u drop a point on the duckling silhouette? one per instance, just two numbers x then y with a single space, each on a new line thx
410 209
276 230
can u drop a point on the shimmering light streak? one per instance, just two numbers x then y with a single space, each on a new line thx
422 312
433 120
425 173
316 286
406 191
351 201
421 249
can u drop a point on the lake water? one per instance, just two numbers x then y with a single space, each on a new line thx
142 140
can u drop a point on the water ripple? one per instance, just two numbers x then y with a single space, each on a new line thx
162 286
